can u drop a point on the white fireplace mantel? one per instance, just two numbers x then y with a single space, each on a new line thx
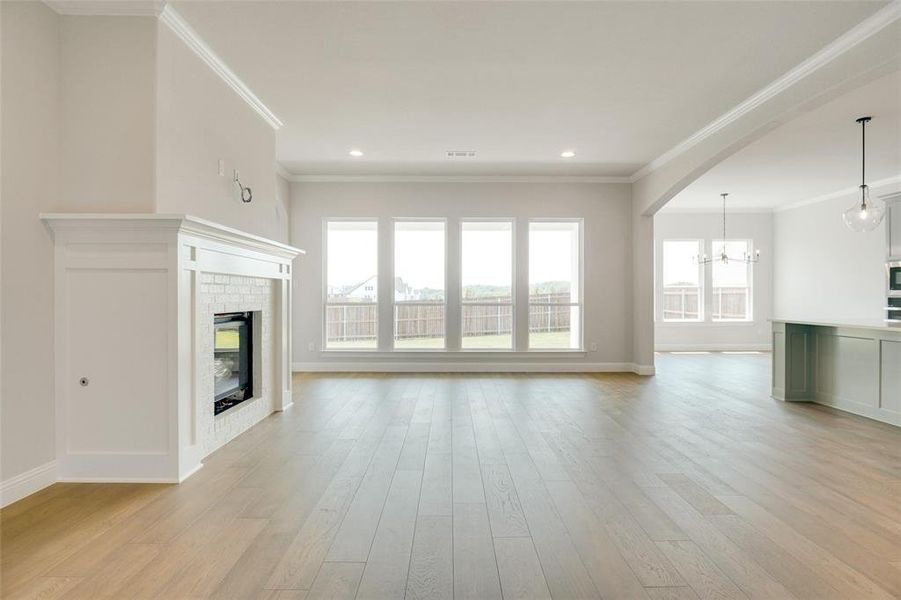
133 294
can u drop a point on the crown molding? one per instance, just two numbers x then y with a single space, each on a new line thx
881 183
455 179
107 8
168 15
282 172
710 210
186 33
848 40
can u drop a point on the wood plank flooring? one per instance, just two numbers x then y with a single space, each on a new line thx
691 484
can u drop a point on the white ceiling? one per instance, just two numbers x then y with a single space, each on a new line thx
816 154
618 82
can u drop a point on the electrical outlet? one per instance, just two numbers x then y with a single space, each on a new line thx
311 346
221 168
594 346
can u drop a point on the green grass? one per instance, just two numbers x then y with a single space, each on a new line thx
545 340
228 339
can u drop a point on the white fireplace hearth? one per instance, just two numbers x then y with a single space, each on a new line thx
136 296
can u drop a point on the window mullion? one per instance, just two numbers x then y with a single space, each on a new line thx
705 308
453 288
386 285
521 284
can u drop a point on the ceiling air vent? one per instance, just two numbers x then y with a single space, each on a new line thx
455 154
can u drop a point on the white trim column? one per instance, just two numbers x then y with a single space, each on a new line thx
282 330
521 285
642 292
386 284
453 321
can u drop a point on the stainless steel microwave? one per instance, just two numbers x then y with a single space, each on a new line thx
894 276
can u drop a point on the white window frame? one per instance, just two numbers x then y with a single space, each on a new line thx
581 275
702 272
750 276
394 303
324 288
512 303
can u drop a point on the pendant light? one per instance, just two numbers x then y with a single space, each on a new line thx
723 257
865 214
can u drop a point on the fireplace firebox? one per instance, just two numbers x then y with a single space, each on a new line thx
232 360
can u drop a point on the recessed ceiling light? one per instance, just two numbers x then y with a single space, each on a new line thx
567 154
356 153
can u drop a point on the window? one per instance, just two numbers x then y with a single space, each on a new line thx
351 275
731 282
682 280
555 285
479 263
419 298
487 284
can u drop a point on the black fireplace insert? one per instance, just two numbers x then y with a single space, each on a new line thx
232 360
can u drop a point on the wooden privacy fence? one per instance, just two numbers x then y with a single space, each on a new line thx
356 322
683 303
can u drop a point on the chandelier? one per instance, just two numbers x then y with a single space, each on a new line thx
723 257
866 214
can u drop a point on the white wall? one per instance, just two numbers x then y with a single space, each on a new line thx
107 113
29 155
605 208
754 335
824 270
642 284
283 198
200 121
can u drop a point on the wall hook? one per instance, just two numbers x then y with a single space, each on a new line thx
246 192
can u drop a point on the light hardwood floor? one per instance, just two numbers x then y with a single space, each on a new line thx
691 484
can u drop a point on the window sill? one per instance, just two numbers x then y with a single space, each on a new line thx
459 354
705 323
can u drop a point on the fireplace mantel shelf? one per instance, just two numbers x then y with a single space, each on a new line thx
172 222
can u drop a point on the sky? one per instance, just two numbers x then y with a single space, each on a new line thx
419 253
352 253
487 254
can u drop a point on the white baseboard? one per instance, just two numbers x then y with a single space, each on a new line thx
27 483
858 408
643 369
287 400
468 367
712 347
191 472
119 479
112 467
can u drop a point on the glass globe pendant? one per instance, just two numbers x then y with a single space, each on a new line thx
865 214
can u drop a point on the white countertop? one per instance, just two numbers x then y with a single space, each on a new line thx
850 323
